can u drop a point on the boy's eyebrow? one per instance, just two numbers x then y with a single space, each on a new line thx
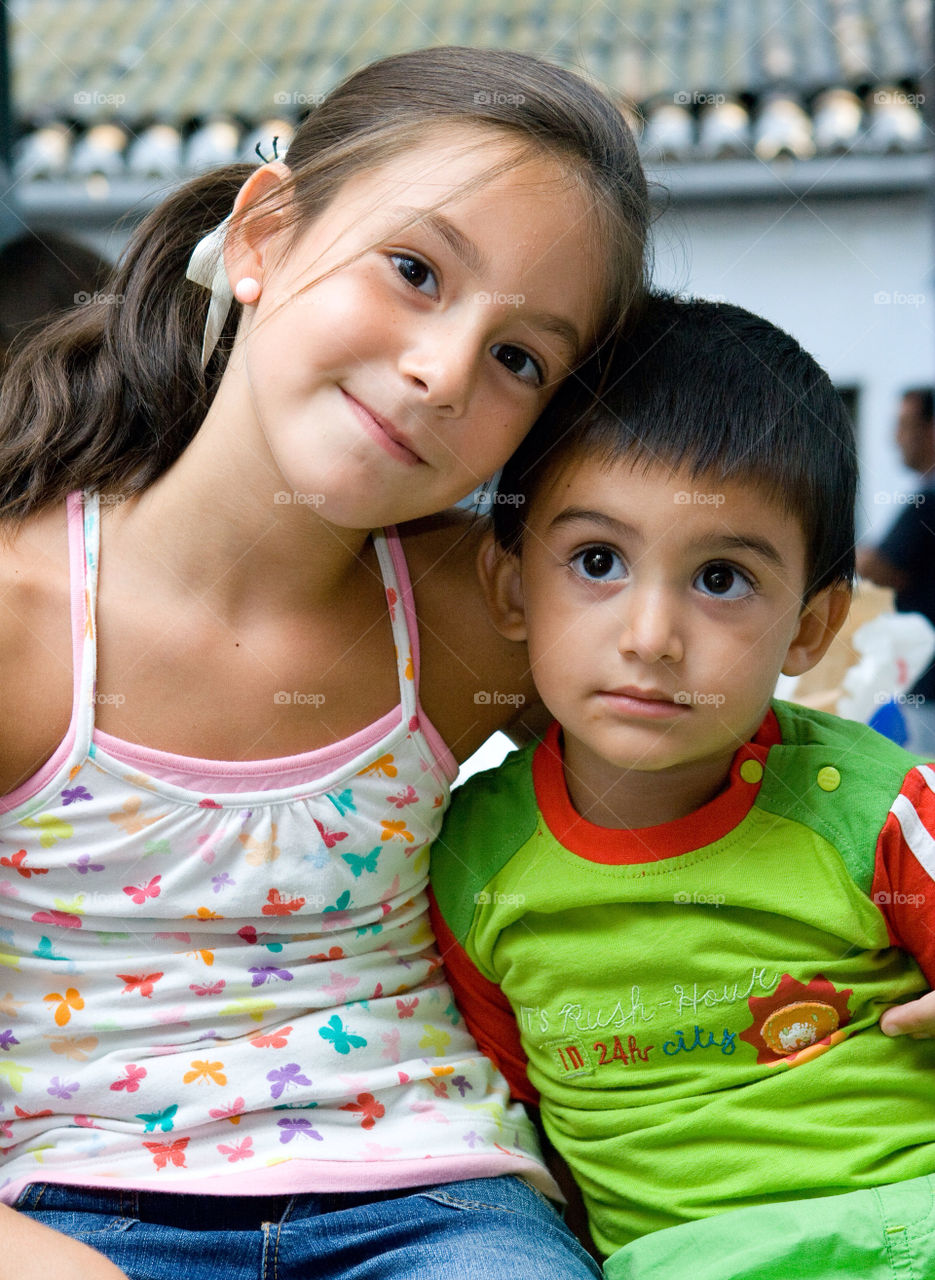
744 542
467 251
713 542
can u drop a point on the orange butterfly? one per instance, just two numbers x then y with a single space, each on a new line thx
277 905
145 981
165 1153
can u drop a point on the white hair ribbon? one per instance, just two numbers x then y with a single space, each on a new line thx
206 267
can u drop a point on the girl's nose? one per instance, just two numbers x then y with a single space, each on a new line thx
650 627
443 366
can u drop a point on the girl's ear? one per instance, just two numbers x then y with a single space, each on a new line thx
253 229
819 622
502 584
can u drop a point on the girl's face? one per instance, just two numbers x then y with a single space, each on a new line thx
398 383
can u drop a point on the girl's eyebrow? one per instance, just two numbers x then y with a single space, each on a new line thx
446 230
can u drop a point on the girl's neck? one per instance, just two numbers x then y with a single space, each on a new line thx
216 524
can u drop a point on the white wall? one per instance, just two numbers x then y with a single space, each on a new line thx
818 271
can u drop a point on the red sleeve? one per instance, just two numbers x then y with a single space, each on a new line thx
904 876
486 1010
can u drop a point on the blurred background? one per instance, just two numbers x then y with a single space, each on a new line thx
789 145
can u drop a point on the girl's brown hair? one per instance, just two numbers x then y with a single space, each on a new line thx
109 395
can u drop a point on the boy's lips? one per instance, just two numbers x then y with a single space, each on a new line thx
383 431
654 704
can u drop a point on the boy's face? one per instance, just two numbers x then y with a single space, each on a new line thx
659 611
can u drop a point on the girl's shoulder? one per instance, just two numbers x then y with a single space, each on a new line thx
35 644
473 681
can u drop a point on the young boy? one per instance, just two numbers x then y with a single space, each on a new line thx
675 922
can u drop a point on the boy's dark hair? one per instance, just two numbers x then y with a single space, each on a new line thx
715 389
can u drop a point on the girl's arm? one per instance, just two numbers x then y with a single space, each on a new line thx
34 1252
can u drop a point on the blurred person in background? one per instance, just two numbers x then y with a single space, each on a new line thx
905 559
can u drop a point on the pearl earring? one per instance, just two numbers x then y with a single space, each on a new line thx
247 290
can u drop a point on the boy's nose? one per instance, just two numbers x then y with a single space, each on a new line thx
650 629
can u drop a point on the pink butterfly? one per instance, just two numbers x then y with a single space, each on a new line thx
330 838
214 990
145 981
407 1007
409 796
242 1151
131 1081
139 893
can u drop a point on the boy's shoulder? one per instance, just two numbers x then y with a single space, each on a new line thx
838 778
491 815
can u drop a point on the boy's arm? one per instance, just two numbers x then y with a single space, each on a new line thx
486 1010
904 890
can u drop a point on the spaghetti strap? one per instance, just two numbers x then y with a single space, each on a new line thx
398 599
84 537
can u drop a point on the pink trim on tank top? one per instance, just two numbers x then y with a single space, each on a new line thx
207 776
437 744
298 1177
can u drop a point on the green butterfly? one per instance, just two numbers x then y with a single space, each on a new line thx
368 862
159 1119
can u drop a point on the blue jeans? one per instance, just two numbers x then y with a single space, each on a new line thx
495 1228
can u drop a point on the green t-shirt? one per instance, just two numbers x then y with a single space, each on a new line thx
699 1001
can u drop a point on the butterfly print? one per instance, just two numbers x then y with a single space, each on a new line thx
139 893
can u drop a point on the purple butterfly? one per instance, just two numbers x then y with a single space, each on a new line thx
282 1078
263 973
62 1088
84 863
293 1128
71 794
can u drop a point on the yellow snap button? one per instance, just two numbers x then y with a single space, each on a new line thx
751 771
829 779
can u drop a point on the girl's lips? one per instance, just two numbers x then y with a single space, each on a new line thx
383 432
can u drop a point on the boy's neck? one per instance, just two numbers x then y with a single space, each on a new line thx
630 799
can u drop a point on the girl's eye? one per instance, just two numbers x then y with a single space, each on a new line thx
724 581
415 272
519 362
599 564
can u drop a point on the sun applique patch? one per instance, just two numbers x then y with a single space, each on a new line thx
798 1021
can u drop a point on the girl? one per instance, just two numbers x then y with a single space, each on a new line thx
219 784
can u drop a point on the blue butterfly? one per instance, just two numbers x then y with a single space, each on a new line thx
159 1119
368 862
343 801
342 1039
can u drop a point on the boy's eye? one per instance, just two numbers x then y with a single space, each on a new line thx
724 581
519 362
599 564
415 272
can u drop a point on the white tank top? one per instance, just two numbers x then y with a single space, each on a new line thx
219 976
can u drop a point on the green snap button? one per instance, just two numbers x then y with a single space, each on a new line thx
829 779
751 771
